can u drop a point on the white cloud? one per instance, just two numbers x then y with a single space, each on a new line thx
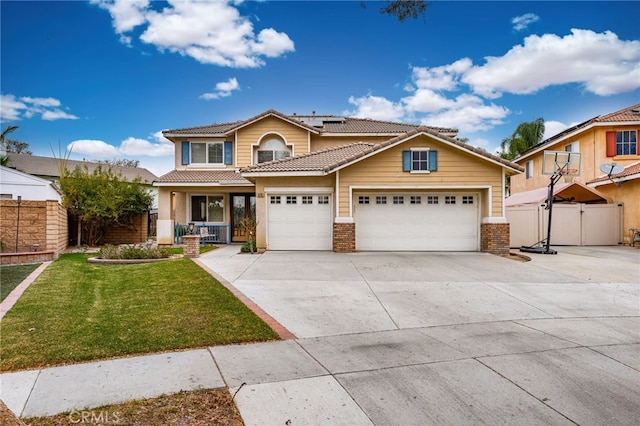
460 95
92 147
14 109
211 32
601 62
223 89
375 108
130 147
522 22
10 108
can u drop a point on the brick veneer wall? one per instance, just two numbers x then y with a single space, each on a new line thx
494 238
344 237
124 235
191 245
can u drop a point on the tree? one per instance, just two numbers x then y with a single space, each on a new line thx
526 135
101 199
403 9
18 147
4 160
122 162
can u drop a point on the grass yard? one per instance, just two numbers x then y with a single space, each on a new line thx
77 311
12 275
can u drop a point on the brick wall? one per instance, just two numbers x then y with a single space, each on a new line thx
494 238
344 237
191 245
124 235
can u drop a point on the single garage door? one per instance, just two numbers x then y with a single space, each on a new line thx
299 222
417 222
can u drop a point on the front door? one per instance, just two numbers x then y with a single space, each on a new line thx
244 206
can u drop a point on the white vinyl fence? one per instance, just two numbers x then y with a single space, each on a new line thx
571 224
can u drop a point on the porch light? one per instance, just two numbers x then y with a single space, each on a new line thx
191 229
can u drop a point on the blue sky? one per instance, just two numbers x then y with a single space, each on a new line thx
108 76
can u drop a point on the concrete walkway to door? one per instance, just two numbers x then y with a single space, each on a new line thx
439 338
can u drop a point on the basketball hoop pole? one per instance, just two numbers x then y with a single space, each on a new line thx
555 177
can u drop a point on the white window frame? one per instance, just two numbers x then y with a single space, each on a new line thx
276 154
426 161
528 169
207 162
573 147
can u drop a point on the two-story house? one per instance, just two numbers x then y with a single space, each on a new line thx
601 142
317 182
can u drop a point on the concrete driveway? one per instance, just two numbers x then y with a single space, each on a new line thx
438 338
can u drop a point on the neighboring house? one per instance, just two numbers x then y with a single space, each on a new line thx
14 184
606 139
335 183
48 168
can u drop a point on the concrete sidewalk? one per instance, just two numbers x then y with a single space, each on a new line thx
399 338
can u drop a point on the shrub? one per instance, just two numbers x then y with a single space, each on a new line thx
246 247
139 251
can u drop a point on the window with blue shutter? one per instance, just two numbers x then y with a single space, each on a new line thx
420 160
185 153
228 155
433 160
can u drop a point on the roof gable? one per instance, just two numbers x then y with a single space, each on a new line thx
333 159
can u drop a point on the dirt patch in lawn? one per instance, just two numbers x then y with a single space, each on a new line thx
196 408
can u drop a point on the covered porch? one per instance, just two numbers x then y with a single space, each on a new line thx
211 204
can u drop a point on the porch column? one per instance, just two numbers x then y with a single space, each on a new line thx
165 223
494 235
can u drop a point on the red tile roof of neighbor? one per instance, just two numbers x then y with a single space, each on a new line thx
633 169
629 115
319 124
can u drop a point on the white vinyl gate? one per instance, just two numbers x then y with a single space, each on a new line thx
571 224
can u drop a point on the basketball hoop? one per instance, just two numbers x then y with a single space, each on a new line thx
557 164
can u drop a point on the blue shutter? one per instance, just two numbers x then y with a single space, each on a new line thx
228 157
406 161
433 160
185 153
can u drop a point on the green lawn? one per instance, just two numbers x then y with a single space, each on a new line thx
79 311
12 275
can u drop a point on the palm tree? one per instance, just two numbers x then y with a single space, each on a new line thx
4 160
526 135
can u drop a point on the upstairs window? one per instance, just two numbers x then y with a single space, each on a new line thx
420 160
211 153
529 169
624 142
272 149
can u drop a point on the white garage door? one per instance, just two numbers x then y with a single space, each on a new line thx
417 222
299 222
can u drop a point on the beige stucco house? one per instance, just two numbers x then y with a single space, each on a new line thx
603 140
335 183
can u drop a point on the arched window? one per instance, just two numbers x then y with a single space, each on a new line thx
272 149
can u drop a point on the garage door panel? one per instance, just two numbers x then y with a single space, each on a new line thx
422 227
299 222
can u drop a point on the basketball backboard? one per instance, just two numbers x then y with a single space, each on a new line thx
561 162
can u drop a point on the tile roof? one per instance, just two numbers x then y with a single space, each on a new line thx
633 169
48 167
330 159
327 125
203 176
319 161
629 114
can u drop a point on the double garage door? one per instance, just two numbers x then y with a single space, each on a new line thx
417 221
384 221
